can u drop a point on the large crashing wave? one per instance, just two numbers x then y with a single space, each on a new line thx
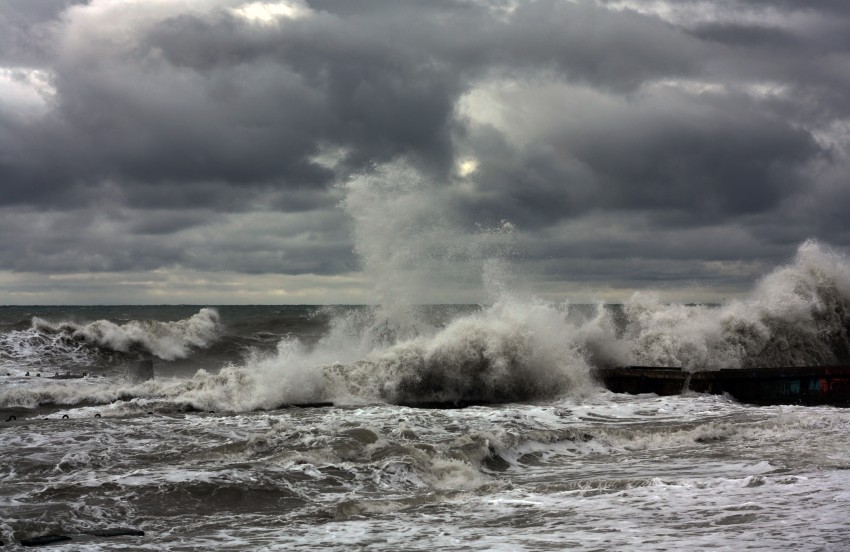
511 351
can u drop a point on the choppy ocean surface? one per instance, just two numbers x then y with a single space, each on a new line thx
205 456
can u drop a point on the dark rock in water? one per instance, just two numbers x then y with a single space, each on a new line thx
495 462
140 370
44 539
117 532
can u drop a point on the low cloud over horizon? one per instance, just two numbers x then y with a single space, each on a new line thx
329 151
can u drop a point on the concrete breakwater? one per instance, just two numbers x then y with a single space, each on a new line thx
805 385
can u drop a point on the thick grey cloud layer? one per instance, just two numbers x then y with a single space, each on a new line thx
626 143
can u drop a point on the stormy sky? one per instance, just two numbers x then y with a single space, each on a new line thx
321 151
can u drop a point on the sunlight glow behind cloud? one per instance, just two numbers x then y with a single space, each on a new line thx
270 12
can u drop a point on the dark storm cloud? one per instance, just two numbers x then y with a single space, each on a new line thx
749 36
724 162
723 117
692 163
214 97
132 240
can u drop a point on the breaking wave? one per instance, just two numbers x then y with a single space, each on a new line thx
71 343
797 315
508 352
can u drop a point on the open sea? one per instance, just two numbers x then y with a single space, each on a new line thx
210 454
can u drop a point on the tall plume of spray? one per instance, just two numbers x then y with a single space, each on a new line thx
798 314
519 347
411 248
395 232
409 244
398 351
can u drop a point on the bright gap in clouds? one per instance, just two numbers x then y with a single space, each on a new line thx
269 12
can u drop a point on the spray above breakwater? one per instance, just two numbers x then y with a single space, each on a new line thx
797 315
514 348
523 348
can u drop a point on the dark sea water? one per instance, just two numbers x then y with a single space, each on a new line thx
207 456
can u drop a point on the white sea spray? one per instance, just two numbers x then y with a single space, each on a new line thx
799 314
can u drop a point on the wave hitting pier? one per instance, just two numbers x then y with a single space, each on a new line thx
804 385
